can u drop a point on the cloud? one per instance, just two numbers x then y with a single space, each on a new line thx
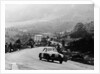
30 13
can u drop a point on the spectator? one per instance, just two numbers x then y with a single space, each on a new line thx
31 42
10 47
63 43
6 48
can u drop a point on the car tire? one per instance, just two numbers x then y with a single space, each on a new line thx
47 57
52 57
40 56
60 62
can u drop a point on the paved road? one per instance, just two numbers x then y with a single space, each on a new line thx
27 59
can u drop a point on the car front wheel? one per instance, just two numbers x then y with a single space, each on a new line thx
40 58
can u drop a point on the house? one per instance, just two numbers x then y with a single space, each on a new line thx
38 38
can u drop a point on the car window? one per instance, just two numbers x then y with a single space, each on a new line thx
54 49
45 49
49 49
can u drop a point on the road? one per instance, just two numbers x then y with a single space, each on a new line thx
28 59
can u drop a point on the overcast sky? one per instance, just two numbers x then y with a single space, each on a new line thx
22 13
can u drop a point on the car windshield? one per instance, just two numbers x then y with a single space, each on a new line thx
49 49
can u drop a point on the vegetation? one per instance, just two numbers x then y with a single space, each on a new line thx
80 40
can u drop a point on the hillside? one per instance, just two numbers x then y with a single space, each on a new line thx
83 30
49 18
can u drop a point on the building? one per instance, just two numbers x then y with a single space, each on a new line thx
50 35
38 38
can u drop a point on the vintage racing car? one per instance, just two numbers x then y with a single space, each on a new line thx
50 53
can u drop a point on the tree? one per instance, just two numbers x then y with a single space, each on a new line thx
44 41
63 43
31 42
79 31
83 45
17 44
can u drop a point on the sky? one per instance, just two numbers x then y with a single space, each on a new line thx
16 14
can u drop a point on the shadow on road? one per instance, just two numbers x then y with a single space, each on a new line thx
57 62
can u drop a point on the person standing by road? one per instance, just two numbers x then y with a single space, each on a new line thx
6 48
10 47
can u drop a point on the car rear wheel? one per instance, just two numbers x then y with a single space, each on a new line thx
60 62
52 57
60 59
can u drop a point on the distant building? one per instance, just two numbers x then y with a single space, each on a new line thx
47 35
38 38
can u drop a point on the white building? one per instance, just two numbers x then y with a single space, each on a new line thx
38 38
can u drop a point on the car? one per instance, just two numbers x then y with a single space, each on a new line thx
50 53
